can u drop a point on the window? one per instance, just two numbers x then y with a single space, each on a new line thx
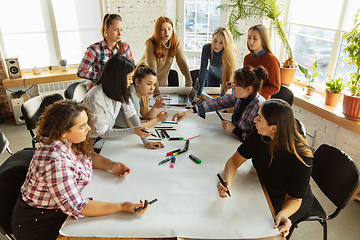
43 31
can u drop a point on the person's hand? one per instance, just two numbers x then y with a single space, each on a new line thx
162 116
130 206
222 190
137 131
228 126
282 223
160 103
181 115
196 100
120 169
154 145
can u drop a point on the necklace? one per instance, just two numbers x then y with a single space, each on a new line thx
262 138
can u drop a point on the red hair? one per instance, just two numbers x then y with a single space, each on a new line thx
156 38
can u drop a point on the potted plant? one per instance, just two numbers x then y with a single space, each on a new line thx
50 68
269 9
310 89
351 103
334 91
63 64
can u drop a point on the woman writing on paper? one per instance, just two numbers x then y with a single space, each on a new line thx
160 51
97 54
258 43
141 89
245 100
109 95
283 160
59 170
221 53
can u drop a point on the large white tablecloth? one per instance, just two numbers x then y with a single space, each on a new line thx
188 203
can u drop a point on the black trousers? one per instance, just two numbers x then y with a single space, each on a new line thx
31 223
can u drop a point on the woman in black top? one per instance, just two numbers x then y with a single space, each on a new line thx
282 159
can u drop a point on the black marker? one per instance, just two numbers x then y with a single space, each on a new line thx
141 208
222 119
223 183
180 152
195 159
146 131
165 133
166 160
187 145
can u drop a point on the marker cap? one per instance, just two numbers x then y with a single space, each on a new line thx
195 159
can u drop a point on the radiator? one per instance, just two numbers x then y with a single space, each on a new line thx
55 87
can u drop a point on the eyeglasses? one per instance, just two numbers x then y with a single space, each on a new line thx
230 84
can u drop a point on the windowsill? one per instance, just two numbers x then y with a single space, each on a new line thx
316 105
28 78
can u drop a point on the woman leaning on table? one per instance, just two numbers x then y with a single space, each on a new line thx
110 94
160 51
282 159
59 170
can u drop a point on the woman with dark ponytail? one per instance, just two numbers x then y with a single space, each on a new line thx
245 100
98 54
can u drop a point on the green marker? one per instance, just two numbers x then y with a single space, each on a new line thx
155 139
195 159
176 138
157 133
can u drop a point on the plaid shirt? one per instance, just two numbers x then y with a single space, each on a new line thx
56 177
246 122
96 56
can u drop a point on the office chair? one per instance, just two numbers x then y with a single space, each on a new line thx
300 127
194 75
12 175
173 78
337 176
76 91
4 143
286 94
33 108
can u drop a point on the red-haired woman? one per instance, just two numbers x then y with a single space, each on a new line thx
160 51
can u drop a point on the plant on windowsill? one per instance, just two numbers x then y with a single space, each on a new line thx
310 89
50 68
351 103
334 91
63 64
268 9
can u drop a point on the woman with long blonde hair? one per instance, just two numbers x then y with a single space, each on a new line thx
221 53
160 51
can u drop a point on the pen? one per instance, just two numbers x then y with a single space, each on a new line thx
146 131
180 152
222 119
171 122
187 145
223 183
192 137
162 133
174 151
155 139
166 160
157 132
163 127
165 133
176 138
141 208
195 159
172 165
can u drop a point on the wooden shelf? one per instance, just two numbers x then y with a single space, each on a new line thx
28 78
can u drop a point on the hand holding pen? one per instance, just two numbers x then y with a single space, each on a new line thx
131 207
142 132
223 187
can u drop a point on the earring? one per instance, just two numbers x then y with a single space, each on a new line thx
65 139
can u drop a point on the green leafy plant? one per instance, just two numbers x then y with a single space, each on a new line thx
62 62
308 75
336 85
353 49
268 9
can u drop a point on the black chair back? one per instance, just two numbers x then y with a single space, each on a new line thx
76 91
34 107
285 94
336 174
173 78
300 127
194 75
12 175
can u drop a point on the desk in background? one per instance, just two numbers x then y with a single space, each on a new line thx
188 203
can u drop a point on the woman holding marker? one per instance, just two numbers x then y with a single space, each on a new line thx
59 170
221 53
282 159
109 95
245 100
160 51
258 43
97 54
141 89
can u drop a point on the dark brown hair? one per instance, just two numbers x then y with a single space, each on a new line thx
249 76
59 117
107 21
113 78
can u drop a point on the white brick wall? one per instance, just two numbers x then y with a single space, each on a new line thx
329 133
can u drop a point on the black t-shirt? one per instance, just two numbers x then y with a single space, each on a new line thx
285 174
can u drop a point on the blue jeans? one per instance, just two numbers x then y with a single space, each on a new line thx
213 81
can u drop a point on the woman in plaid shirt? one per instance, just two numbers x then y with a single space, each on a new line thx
97 54
245 100
60 169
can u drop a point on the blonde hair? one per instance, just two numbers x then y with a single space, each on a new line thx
264 36
229 55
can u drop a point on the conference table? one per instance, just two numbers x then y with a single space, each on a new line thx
188 203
